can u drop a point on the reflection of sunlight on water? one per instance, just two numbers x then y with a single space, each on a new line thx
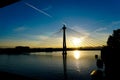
77 65
76 54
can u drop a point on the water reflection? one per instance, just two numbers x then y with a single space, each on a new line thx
76 54
52 65
65 64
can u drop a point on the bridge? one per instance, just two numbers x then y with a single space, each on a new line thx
62 40
70 38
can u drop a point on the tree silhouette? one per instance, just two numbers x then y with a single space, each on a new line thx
114 39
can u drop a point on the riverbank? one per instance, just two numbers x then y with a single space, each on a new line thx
24 50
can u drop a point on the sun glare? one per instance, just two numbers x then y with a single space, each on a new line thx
76 54
76 42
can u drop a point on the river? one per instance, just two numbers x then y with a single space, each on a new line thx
50 65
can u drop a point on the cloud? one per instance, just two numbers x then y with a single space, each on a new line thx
95 37
40 37
47 8
41 11
80 31
100 29
115 22
19 29
113 25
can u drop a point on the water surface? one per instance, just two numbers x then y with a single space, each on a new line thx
50 65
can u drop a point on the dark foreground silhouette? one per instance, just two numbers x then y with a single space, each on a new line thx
110 56
4 3
109 59
11 76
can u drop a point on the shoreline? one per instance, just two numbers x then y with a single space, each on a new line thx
24 50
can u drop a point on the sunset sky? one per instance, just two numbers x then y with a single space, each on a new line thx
38 23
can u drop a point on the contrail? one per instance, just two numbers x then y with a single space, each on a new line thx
38 9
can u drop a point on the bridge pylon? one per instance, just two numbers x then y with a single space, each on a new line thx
64 40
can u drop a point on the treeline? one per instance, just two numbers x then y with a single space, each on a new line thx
26 49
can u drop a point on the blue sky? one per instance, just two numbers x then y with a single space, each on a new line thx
32 22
